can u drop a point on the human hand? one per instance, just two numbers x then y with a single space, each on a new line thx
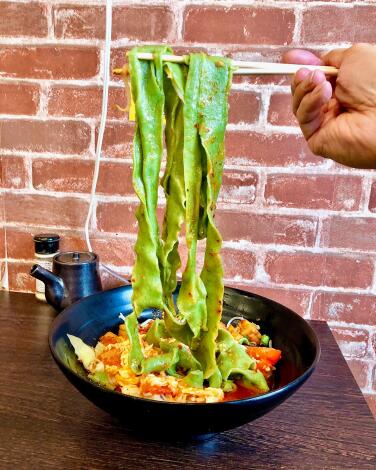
338 117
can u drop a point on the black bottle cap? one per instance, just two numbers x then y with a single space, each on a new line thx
46 243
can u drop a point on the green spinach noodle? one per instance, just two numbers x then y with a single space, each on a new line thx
182 108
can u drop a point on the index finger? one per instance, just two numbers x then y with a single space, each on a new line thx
300 75
334 57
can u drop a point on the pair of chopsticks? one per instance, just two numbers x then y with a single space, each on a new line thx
251 68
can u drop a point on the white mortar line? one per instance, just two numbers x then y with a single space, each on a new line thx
350 325
366 193
224 3
308 313
260 189
249 209
298 24
178 11
368 388
318 232
29 173
90 82
42 112
50 25
56 156
32 117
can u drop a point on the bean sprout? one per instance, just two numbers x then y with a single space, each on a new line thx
233 319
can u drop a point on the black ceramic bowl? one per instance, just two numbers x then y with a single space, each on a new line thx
94 315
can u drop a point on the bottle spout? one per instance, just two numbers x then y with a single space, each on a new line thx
54 285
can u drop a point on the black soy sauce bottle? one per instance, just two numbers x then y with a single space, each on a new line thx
46 246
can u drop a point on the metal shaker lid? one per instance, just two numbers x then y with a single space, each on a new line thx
46 243
75 258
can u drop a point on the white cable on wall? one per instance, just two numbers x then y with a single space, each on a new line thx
102 125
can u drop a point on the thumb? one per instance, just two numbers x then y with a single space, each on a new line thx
300 56
334 57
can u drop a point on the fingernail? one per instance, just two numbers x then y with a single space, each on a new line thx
327 91
301 74
317 77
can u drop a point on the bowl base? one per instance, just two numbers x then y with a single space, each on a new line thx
170 437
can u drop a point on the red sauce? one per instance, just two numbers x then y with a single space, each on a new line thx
240 393
146 328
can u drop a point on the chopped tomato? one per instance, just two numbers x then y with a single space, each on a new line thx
109 338
266 358
245 329
156 389
250 330
122 333
270 355
112 357
144 329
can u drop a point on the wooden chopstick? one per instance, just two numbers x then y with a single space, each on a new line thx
284 69
252 68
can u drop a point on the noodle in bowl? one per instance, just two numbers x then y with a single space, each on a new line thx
93 316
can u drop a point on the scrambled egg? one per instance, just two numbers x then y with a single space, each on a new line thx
111 357
108 364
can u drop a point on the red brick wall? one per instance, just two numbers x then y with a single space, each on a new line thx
297 228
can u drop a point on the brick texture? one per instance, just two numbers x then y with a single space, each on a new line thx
296 300
144 23
23 19
18 98
348 308
76 21
352 24
296 228
358 233
360 371
68 137
265 228
352 341
19 243
314 192
84 102
371 400
14 173
238 187
26 209
19 277
153 23
2 249
319 269
238 264
118 138
244 107
238 25
372 199
251 148
116 217
59 62
76 176
280 112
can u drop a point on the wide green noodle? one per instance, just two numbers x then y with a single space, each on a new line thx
190 102
148 95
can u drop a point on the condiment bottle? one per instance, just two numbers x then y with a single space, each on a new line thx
46 247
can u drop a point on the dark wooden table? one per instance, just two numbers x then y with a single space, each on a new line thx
46 423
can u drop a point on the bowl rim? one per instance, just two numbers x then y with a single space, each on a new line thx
258 398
